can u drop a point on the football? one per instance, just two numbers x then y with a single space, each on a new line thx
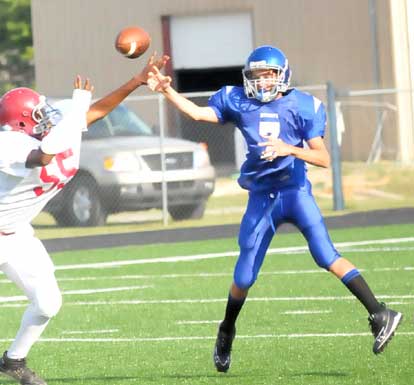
132 42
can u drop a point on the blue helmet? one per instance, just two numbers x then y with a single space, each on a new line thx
266 57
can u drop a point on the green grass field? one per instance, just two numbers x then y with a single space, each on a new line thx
137 315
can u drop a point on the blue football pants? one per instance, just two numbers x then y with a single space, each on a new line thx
265 212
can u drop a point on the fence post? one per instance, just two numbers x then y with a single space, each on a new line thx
338 199
164 186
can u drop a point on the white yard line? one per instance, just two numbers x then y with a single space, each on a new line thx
19 298
281 250
305 312
197 338
207 275
377 249
215 275
198 322
90 331
105 290
222 300
6 300
290 312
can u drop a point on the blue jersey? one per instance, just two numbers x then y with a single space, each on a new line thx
294 118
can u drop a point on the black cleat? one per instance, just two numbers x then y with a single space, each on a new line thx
18 370
222 350
383 325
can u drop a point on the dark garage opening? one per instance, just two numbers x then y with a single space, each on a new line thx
220 139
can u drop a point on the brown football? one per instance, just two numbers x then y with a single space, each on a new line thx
132 42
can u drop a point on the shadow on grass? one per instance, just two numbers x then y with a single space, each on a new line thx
137 379
321 374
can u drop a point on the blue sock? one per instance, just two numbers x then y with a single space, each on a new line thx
350 275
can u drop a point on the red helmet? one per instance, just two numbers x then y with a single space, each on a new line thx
24 110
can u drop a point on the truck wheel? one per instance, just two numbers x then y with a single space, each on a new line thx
191 211
83 206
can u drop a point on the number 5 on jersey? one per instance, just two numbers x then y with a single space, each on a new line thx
269 125
57 181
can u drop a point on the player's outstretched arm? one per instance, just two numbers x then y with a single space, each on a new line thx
105 105
161 83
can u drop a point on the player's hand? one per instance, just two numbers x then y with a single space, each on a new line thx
274 147
77 84
153 61
157 81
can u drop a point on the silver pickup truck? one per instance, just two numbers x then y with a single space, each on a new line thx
120 170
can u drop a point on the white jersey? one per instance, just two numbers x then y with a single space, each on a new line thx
24 192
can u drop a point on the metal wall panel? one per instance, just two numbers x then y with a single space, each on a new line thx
324 40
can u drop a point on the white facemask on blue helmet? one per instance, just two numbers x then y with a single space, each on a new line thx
262 59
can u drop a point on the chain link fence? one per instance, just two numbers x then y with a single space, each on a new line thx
147 162
375 143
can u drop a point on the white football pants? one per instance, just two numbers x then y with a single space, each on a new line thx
26 262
